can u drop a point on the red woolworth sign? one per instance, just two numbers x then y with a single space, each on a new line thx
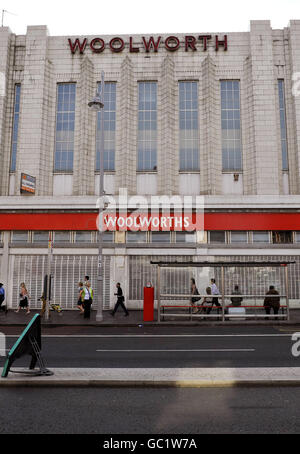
89 221
171 43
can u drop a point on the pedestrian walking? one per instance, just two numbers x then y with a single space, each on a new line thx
80 301
24 299
272 301
120 301
87 298
236 300
2 299
194 300
215 291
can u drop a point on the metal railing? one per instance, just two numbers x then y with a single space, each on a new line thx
222 310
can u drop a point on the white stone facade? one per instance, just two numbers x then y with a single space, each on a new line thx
257 58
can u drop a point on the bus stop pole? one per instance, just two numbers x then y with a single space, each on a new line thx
223 293
286 274
158 294
48 288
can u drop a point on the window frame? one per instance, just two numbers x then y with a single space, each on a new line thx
70 169
239 242
98 129
186 113
283 140
15 126
216 243
141 167
231 169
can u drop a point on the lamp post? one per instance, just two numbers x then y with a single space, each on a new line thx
47 283
97 104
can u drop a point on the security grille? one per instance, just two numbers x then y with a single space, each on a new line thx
141 271
252 281
256 281
67 271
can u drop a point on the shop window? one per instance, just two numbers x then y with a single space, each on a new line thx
217 237
83 237
161 237
20 237
185 237
107 237
284 237
40 237
62 237
261 237
136 237
239 237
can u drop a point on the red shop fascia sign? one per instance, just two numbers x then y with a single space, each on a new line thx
150 44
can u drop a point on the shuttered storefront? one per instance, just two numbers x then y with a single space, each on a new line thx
141 271
252 281
67 271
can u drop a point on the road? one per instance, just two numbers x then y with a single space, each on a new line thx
156 410
166 347
150 411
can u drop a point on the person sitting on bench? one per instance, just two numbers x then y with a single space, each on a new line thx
272 302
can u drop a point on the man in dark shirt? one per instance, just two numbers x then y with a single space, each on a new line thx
120 301
236 300
272 301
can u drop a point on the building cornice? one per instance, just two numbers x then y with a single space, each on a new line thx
89 203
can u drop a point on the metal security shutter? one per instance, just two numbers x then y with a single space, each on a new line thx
256 281
141 271
30 270
67 271
252 281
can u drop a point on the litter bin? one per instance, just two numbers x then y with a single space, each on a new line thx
148 304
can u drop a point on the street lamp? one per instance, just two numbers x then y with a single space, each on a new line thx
97 105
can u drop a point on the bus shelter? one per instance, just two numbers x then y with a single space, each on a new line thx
253 278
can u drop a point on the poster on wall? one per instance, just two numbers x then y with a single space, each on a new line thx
27 184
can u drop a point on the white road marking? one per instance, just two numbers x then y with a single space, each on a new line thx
112 336
194 350
165 335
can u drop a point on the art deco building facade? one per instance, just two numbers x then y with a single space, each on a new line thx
215 114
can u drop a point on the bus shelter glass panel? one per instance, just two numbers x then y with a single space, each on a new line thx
175 291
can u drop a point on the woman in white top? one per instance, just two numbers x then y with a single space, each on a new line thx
24 299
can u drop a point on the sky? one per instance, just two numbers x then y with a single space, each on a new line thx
116 17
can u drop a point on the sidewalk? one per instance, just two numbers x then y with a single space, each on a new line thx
73 318
175 377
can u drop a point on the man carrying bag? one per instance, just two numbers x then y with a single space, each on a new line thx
120 301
